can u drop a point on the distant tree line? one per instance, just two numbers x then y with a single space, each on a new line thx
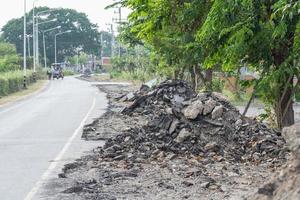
84 37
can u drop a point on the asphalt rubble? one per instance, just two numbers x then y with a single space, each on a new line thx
285 184
168 142
181 122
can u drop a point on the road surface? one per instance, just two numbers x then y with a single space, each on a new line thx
39 134
254 111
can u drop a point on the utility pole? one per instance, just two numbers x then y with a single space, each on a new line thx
33 34
119 21
112 39
37 43
44 47
101 49
24 47
28 45
77 61
120 18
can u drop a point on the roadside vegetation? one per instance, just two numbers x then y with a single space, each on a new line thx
204 42
11 75
12 81
31 89
135 65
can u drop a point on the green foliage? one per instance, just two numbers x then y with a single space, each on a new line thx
8 57
136 65
218 84
82 58
265 35
68 73
7 49
168 28
297 96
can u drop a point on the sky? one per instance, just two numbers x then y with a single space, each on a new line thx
93 8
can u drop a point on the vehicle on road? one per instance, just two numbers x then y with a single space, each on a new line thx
57 71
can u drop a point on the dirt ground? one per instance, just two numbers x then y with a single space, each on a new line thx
165 176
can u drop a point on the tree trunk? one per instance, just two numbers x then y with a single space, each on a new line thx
193 78
237 91
181 73
284 105
176 74
208 79
249 103
196 77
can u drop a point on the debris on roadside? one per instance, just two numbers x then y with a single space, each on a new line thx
167 142
182 122
286 183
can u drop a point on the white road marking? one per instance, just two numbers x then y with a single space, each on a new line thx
53 165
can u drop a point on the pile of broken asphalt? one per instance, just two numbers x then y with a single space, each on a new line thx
183 122
185 137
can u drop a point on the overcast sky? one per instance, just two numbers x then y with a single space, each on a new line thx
93 8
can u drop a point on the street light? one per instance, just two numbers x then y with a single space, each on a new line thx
44 43
34 34
111 29
28 44
36 31
37 38
24 43
55 42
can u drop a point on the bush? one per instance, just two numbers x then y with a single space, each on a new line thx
68 72
218 84
297 93
11 82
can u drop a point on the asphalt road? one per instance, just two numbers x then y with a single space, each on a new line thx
39 134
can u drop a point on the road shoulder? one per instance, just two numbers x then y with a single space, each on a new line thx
31 91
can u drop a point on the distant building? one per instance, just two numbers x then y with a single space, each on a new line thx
247 74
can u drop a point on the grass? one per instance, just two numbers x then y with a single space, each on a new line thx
23 93
122 79
101 77
68 73
138 77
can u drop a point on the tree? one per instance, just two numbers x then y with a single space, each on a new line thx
169 28
84 34
193 35
1 38
263 34
82 58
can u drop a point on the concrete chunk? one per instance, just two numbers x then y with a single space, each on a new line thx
209 105
193 110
